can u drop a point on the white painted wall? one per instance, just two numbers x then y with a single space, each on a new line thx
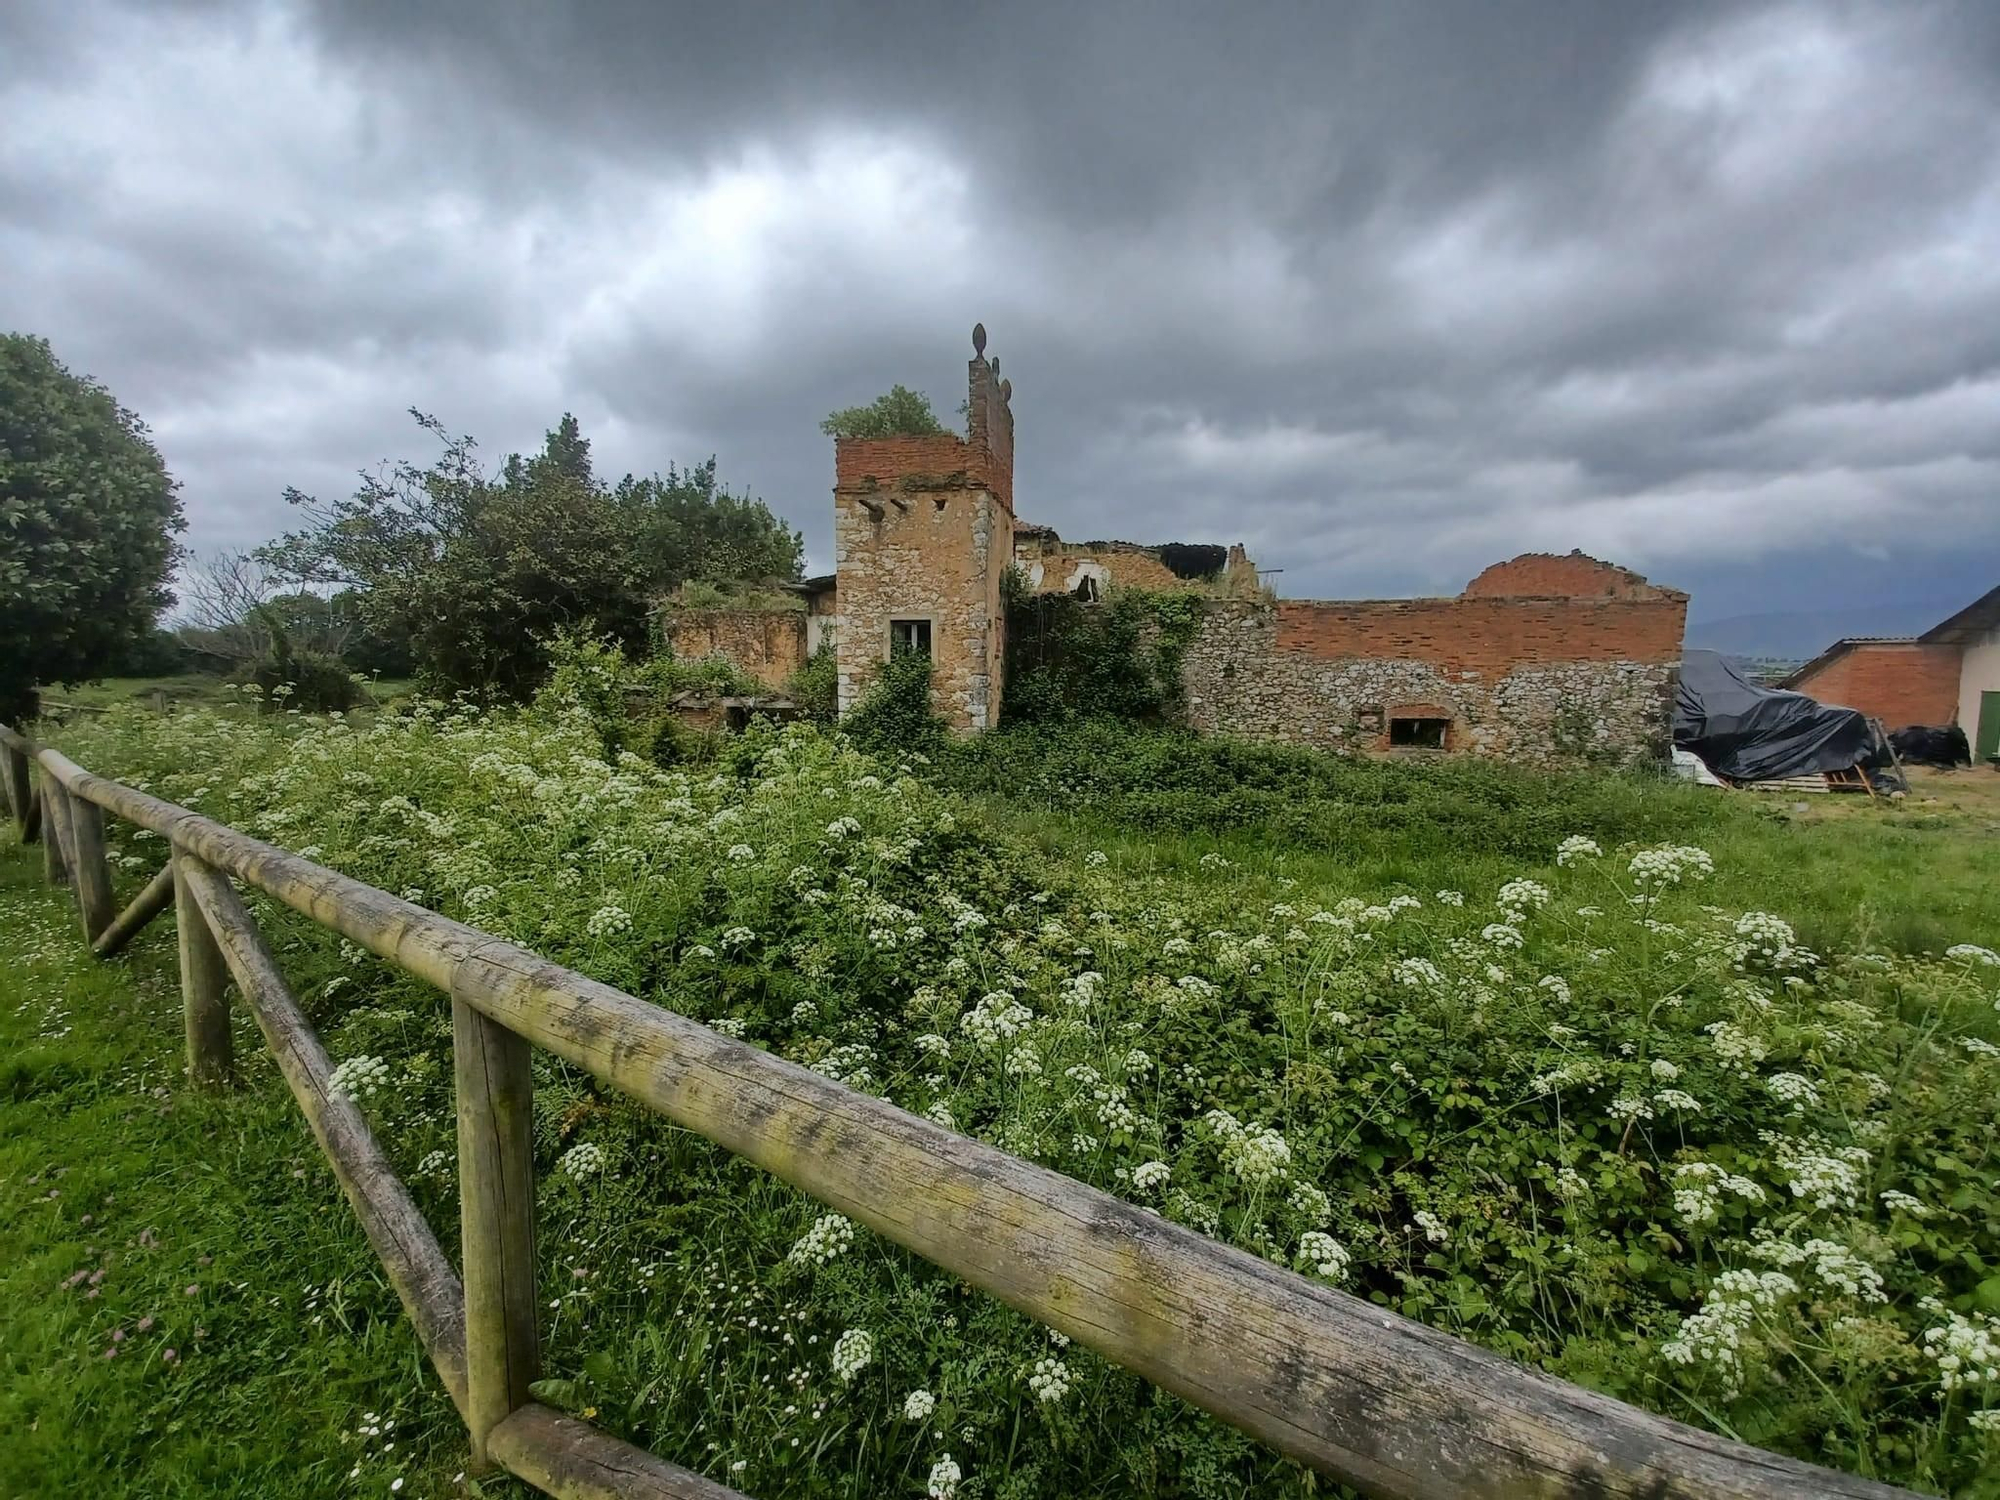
1979 672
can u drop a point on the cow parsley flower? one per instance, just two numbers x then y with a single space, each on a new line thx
1671 864
1736 1049
841 828
1451 898
1966 1350
737 937
1699 1187
997 1016
1151 1175
1024 1062
1257 1154
1971 953
741 853
585 1159
918 1405
1501 935
1310 1202
830 1237
1050 1379
1714 1336
358 1078
851 1353
1323 1253
1519 897
1577 847
1433 1227
607 921
1793 1089
1417 973
945 1475
1903 1203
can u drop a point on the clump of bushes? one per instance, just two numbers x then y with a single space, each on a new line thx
895 718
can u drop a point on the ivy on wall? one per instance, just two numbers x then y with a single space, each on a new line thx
1118 658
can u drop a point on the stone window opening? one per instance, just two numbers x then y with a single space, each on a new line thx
910 635
1418 734
1086 590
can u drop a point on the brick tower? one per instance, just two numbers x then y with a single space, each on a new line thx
923 534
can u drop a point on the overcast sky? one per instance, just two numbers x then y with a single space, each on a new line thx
1385 291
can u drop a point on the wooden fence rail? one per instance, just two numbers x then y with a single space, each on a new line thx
1397 1409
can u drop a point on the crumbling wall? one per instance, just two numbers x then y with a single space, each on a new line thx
924 530
1541 680
1053 566
768 644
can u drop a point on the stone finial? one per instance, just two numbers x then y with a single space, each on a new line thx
979 339
1006 390
993 364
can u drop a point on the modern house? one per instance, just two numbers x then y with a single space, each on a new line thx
1948 675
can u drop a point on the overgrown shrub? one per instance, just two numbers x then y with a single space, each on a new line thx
1170 779
309 681
1116 658
815 687
899 412
895 718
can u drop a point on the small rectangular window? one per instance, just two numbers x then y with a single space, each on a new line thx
1418 734
910 635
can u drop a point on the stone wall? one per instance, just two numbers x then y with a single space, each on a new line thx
1899 682
1541 680
769 644
923 530
1053 566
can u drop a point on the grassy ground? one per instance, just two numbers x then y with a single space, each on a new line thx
188 1307
185 690
299 1340
1911 876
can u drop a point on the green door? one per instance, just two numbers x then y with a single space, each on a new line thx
1989 728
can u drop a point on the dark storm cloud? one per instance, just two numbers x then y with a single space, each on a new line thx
1387 291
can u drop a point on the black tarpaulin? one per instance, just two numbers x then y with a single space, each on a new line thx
1746 732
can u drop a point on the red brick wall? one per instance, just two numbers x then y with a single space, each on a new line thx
885 460
1486 635
1899 682
1546 575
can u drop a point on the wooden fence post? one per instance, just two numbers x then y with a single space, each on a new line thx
55 831
204 1004
14 766
496 1173
89 869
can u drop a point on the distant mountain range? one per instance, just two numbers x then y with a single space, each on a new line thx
1797 635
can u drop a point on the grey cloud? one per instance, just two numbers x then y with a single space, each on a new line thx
1384 290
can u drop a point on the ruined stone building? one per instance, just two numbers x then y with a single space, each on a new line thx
1544 658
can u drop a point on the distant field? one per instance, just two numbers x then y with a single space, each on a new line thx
186 689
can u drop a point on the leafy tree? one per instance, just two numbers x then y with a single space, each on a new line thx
88 515
901 413
478 573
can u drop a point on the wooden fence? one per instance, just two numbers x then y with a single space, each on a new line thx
1396 1409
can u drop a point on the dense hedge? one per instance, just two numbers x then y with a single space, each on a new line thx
1167 779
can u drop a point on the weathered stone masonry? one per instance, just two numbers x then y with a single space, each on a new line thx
1541 679
924 531
1544 659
